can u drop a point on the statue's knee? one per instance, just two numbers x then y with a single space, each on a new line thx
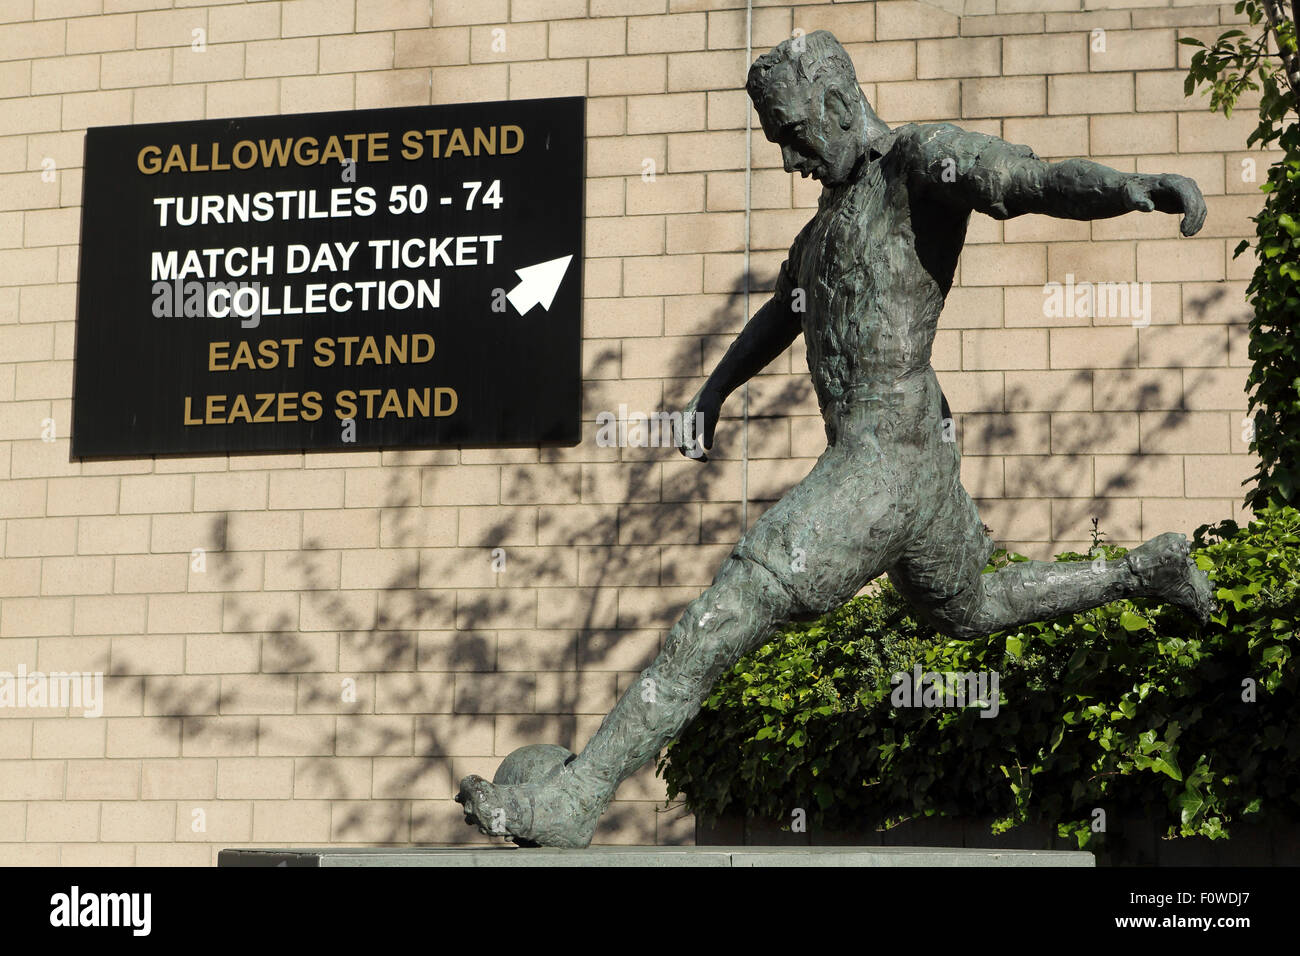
758 589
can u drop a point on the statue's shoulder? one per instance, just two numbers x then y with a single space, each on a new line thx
916 139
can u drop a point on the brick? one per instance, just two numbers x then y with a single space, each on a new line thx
184 613
1227 216
19 577
225 821
496 44
1183 347
666 34
253 612
400 88
230 492
1140 390
143 737
67 737
958 56
1033 55
1022 263
25 266
151 494
690 152
1209 476
65 74
218 62
1211 132
136 68
1184 515
440 47
291 821
245 21
1135 50
242 97
850 23
1169 260
1184 432
37 537
63 822
264 531
906 19
372 821
146 574
103 780
110 614
1089 93
295 736
23 41
104 108
702 70
77 575
1163 90
547 78
168 28
1147 475
388 735
393 15
164 104
642 235
244 778
25 499
1119 519
450 12
69 496
347 54
1003 96
619 76
664 275
1140 133
36 617
304 489
1091 262
1214 388
52 228
919 100
98 34
675 112
1095 433
281 57
1093 348
312 18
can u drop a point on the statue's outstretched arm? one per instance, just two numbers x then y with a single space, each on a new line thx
1002 180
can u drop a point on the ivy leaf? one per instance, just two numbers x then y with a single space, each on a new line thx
1132 621
1164 766
1191 803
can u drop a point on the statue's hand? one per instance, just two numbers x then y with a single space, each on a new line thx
699 419
1169 192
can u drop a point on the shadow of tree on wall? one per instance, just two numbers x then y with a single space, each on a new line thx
413 682
406 684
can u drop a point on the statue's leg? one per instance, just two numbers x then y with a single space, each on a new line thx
941 575
806 555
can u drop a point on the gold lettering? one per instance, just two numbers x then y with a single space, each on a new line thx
152 164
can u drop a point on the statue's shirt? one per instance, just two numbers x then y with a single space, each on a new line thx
874 265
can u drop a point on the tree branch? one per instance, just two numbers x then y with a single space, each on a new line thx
1291 60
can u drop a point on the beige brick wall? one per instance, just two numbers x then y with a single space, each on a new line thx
312 649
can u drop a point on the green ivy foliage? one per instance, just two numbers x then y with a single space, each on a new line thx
1131 707
1258 62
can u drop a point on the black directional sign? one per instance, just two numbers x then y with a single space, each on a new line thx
396 277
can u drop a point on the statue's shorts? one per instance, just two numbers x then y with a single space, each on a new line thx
872 503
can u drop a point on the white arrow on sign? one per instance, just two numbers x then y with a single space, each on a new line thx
538 284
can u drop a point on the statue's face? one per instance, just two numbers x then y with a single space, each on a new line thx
813 127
